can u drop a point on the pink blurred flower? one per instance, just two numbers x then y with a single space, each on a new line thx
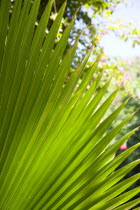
123 147
106 31
114 5
104 59
122 84
125 79
127 61
121 69
101 35
127 76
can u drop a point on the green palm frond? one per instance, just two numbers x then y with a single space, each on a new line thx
55 151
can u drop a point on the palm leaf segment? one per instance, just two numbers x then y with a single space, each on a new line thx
53 142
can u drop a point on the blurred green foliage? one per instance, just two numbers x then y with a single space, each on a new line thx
132 106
